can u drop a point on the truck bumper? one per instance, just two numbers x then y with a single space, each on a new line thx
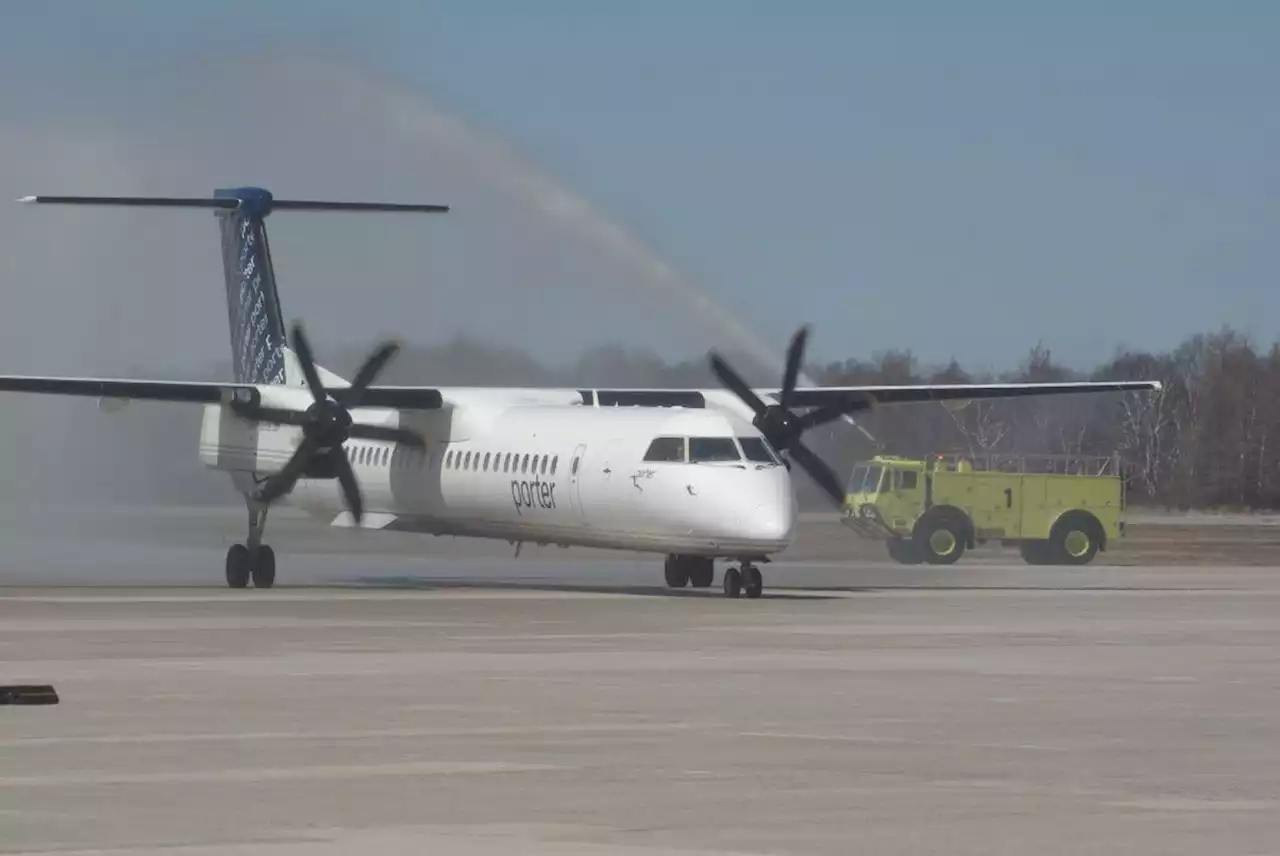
866 521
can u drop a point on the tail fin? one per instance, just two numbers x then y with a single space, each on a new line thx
253 303
259 348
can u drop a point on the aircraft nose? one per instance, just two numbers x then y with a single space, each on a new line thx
771 521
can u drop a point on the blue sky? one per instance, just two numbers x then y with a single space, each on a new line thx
959 179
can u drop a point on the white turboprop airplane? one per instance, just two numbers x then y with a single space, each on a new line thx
693 475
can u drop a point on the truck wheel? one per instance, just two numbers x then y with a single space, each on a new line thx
1036 552
904 552
941 540
1075 539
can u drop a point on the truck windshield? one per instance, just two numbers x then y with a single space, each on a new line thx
865 479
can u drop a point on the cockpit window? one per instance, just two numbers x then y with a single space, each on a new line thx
711 449
757 450
666 449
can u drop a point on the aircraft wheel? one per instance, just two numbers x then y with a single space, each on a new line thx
732 582
702 573
264 570
676 571
753 581
238 566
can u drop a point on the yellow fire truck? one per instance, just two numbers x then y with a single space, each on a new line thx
1057 509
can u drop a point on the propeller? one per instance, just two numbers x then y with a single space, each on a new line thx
781 425
326 424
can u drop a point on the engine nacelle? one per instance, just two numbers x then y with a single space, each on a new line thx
233 444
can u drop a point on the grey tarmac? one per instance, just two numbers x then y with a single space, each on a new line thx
401 694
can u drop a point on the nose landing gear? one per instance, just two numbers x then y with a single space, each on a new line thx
748 581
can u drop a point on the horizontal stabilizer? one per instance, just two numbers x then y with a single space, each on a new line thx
231 202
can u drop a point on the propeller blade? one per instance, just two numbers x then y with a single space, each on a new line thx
736 384
821 473
280 483
795 357
350 487
303 349
832 412
403 436
376 362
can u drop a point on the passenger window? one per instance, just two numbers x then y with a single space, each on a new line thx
544 465
535 465
712 449
669 449
574 469
524 465
486 462
909 480
466 461
554 461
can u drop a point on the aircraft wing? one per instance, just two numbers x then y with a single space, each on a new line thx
432 398
203 392
820 396
837 396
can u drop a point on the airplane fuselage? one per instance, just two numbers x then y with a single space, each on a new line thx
547 471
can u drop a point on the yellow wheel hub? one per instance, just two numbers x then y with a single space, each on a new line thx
1076 543
942 542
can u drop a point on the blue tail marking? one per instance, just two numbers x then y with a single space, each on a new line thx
253 303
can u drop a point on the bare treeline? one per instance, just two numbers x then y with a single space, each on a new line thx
1211 439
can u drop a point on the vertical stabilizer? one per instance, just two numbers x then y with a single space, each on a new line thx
253 303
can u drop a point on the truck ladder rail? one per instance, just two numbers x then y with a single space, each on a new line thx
1032 463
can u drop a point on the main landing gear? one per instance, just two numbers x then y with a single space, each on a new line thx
699 572
253 559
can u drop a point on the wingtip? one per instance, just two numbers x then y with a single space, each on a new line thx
27 198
